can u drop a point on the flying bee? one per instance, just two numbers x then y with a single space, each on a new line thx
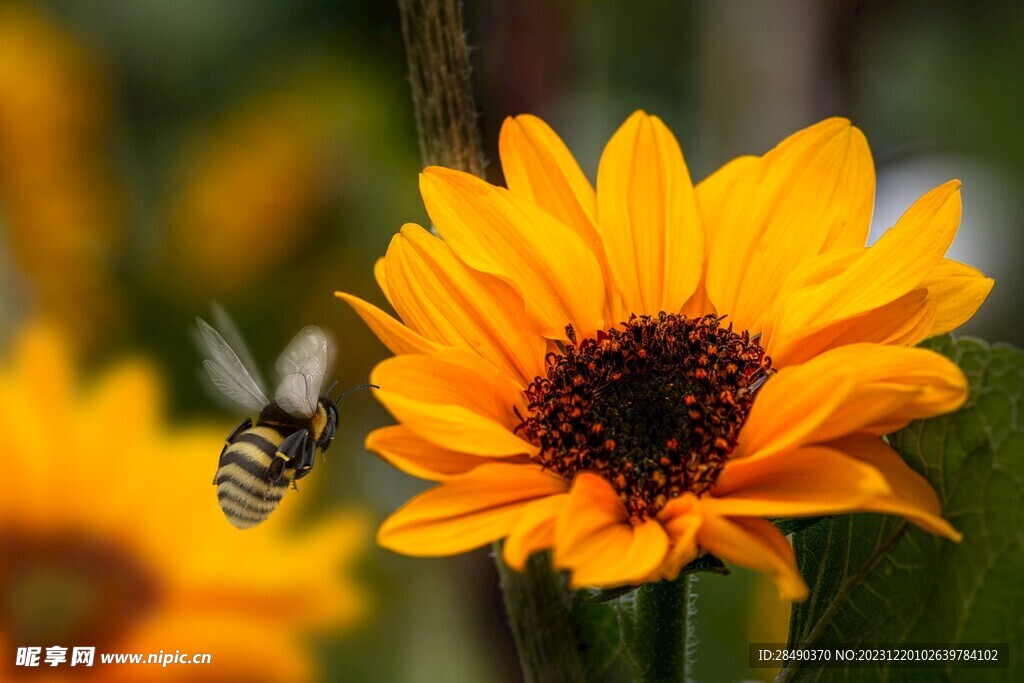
261 459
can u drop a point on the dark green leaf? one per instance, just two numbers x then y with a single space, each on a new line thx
875 579
796 525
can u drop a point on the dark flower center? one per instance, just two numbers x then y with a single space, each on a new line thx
654 408
70 589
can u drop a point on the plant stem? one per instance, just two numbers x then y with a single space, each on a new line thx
657 631
540 613
446 116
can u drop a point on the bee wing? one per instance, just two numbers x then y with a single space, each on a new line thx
302 367
229 331
228 373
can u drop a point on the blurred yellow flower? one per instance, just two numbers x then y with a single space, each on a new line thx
58 199
111 536
249 195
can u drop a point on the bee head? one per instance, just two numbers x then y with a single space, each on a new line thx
331 408
331 424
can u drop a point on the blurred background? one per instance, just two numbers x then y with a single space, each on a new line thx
156 156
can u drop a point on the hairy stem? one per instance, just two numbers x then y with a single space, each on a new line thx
657 631
446 116
540 613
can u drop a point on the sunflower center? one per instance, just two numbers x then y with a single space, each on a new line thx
654 408
66 588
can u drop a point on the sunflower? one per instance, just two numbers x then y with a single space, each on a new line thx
111 538
640 374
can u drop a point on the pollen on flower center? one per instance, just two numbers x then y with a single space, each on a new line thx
654 408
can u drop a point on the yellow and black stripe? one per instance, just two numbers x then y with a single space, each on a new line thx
243 480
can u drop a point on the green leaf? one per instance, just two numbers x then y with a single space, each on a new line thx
875 579
796 525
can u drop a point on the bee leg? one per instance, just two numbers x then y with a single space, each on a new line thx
242 426
307 458
288 452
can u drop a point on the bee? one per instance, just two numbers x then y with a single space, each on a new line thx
261 459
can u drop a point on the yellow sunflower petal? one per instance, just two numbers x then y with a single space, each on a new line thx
757 544
397 337
535 530
440 297
940 385
453 399
648 217
681 519
917 327
712 194
946 299
821 268
381 276
896 264
467 511
904 321
958 291
541 169
912 496
800 483
404 449
595 540
858 387
813 192
791 406
499 233
624 554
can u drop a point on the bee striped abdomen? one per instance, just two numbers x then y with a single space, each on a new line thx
244 490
